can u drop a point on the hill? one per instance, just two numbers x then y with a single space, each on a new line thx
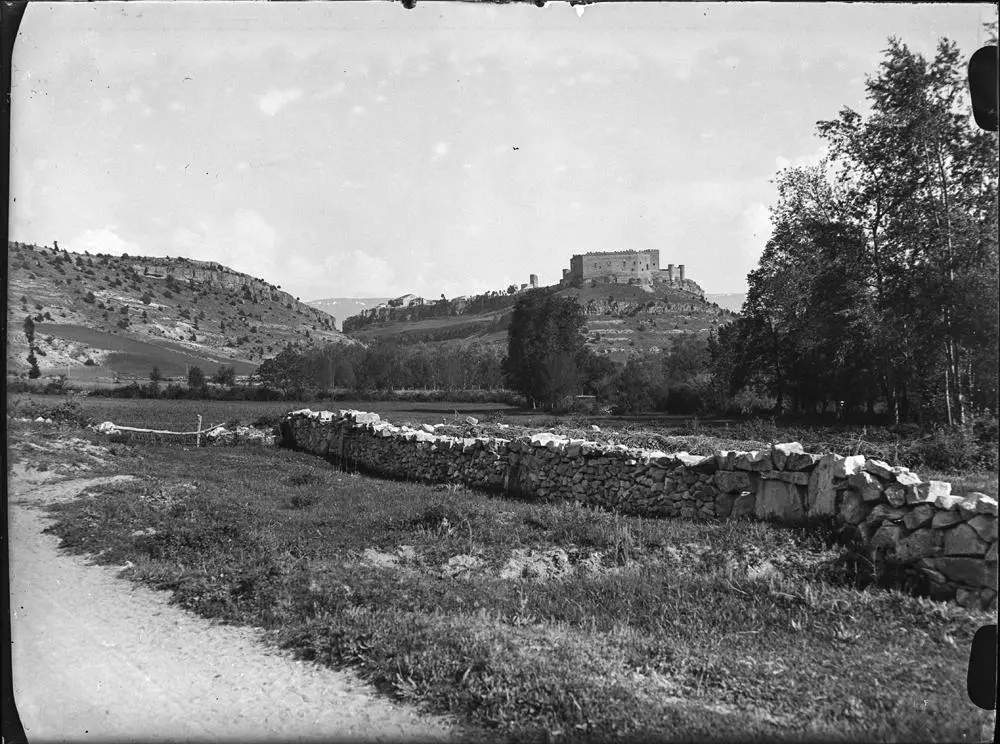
101 316
623 320
343 307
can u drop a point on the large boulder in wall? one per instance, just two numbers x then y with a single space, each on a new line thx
778 501
821 499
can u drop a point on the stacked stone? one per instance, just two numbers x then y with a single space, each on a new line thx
897 517
890 511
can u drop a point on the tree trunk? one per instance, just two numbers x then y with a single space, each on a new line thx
953 360
947 396
779 404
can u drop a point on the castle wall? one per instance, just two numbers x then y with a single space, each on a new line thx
620 266
944 541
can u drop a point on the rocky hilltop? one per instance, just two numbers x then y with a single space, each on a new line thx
623 319
200 272
120 315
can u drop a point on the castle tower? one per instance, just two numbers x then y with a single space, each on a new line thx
533 278
680 271
670 273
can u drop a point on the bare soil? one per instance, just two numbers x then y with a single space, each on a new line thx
97 658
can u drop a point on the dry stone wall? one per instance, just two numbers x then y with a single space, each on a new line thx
945 542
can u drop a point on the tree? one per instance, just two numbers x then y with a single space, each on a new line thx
878 283
29 330
155 375
286 371
924 186
224 375
635 386
545 348
196 378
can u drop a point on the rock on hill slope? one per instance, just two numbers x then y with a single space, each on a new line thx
111 315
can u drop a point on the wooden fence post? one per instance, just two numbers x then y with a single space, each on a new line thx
197 442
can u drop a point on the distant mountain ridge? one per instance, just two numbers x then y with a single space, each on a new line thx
101 316
344 307
729 300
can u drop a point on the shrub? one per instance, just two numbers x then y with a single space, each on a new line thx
748 402
67 411
945 449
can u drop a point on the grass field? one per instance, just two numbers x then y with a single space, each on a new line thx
167 414
661 629
671 434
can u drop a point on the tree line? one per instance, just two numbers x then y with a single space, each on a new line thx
383 365
877 290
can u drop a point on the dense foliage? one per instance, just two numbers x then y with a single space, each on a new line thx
545 348
878 286
382 366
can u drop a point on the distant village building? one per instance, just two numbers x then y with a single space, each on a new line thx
403 301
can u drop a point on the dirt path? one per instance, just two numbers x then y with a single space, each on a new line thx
95 658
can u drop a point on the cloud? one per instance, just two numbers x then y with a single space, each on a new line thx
245 241
274 100
331 91
358 274
101 240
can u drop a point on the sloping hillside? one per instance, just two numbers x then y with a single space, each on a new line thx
623 320
106 315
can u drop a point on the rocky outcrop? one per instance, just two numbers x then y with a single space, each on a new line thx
945 541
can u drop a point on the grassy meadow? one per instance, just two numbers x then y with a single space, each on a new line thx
631 628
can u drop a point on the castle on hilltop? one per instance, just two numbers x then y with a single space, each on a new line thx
622 267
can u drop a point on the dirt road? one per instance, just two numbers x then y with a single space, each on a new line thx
95 658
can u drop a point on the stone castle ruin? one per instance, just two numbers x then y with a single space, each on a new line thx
638 268
624 267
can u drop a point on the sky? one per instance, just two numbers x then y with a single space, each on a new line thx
358 149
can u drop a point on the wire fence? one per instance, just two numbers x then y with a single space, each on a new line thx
202 436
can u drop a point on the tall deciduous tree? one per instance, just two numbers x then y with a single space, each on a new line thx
879 279
545 348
